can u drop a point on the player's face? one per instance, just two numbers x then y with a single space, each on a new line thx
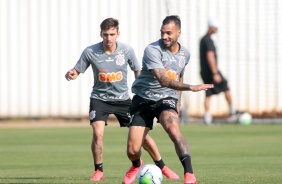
169 34
109 37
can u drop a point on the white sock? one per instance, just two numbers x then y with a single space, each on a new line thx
232 110
208 118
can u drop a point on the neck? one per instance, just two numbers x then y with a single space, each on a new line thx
175 48
110 50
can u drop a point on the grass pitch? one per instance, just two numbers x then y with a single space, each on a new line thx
227 154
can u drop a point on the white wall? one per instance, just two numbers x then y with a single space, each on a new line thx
42 39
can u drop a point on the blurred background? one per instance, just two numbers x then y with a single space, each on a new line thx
42 39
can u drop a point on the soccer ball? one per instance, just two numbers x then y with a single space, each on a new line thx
245 119
150 174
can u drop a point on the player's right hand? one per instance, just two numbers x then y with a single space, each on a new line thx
71 74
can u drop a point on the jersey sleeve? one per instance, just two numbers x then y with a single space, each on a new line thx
83 62
152 58
209 44
133 61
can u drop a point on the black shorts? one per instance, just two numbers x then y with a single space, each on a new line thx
144 111
218 87
100 110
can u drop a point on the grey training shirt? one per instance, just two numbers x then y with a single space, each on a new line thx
157 56
109 70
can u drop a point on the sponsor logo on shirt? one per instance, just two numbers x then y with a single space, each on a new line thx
120 59
173 59
110 77
152 94
107 97
172 74
109 59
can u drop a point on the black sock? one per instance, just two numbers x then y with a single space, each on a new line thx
99 167
160 163
186 162
136 163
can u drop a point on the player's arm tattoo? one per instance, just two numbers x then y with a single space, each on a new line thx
165 81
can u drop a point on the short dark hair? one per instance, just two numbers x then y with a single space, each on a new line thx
174 18
109 23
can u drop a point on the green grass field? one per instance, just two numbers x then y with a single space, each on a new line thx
226 154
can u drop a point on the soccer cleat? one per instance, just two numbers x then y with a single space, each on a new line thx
236 112
97 176
189 178
131 174
169 173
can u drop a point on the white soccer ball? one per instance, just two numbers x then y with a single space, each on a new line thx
245 118
150 174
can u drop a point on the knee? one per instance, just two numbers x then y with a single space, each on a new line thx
98 136
133 151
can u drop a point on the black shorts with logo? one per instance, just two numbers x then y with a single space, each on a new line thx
100 110
143 111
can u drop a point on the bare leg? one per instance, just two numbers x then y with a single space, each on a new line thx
169 120
150 146
228 97
136 135
97 146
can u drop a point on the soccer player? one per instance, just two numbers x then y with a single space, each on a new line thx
157 94
211 74
109 60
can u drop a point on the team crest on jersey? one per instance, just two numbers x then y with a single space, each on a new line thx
92 115
181 62
120 59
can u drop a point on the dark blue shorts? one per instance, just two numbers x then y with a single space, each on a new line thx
143 111
100 110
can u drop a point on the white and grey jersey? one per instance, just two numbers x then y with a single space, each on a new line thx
157 56
109 70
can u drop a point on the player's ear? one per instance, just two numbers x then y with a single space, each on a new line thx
101 34
118 33
179 32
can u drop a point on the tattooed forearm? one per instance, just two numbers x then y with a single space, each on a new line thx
165 81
